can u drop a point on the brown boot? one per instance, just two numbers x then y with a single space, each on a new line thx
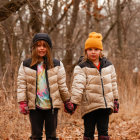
88 138
35 138
52 139
103 138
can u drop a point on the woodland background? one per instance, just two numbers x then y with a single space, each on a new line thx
68 22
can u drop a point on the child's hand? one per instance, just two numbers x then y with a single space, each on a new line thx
69 107
116 106
24 107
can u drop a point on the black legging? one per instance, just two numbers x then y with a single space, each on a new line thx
98 117
38 117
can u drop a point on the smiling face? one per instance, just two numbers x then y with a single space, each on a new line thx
93 54
41 48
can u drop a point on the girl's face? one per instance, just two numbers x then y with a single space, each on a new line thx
93 54
41 48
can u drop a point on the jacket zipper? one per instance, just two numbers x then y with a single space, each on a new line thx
103 90
36 88
101 81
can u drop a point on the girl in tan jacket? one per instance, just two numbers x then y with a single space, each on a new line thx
94 87
41 88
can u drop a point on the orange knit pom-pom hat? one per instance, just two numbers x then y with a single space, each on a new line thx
94 41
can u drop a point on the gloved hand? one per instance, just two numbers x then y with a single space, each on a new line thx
24 107
69 107
116 106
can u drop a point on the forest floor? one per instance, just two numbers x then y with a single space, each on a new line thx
123 126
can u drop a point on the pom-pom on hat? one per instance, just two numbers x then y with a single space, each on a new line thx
42 36
94 41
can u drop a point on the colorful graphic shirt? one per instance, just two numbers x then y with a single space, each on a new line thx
42 99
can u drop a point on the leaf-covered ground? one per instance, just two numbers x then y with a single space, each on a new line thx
123 126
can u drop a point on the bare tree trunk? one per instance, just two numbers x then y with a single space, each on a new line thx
10 7
25 36
35 20
113 24
54 20
119 29
88 16
96 14
61 18
55 12
69 34
2 56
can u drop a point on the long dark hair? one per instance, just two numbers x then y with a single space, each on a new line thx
48 57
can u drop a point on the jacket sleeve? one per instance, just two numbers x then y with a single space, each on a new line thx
78 85
62 83
114 83
21 84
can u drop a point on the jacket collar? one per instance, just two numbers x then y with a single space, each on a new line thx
102 63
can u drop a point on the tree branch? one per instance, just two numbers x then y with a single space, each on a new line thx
109 30
61 18
122 6
10 7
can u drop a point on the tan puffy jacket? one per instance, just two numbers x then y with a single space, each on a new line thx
93 89
27 84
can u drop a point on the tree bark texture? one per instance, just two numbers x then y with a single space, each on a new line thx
119 36
35 20
10 7
69 34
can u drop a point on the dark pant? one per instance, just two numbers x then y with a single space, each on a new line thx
38 117
98 117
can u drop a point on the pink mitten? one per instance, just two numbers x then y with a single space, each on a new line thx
24 107
69 107
116 106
